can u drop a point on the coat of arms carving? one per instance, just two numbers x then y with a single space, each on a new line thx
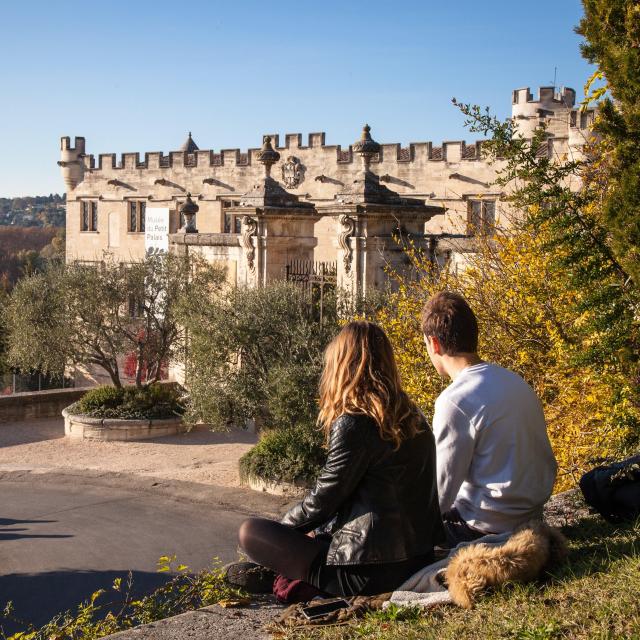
292 173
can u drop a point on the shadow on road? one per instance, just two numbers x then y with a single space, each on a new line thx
37 598
9 522
14 534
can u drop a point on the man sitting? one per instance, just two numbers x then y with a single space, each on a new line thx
495 465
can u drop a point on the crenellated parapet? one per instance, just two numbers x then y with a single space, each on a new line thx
547 97
410 164
447 151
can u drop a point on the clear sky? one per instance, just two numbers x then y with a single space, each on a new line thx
137 75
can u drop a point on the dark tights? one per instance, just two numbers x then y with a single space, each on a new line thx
278 547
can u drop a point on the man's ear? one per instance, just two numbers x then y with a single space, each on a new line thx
434 344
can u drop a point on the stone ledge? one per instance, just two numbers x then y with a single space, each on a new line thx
210 622
79 427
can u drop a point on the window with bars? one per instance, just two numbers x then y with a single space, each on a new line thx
481 217
89 215
137 214
136 307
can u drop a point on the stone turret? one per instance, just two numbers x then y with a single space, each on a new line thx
550 104
71 161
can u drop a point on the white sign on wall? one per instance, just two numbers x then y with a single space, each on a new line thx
156 229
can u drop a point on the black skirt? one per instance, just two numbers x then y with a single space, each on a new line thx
363 579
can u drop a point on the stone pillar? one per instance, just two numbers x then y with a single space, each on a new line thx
371 219
276 227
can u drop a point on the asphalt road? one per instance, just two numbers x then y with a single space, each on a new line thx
60 541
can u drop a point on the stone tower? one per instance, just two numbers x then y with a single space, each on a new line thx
71 162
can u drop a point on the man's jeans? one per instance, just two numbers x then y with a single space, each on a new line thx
457 529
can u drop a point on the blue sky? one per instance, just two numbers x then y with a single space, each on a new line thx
137 75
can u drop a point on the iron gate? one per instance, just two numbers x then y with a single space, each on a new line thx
317 280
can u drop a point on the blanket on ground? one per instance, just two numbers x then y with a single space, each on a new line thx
468 569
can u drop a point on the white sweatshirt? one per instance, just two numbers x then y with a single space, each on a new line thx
494 459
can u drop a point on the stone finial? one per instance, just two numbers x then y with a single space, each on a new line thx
267 156
366 147
189 210
366 144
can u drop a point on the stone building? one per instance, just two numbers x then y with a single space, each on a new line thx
289 200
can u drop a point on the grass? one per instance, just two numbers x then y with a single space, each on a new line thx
594 595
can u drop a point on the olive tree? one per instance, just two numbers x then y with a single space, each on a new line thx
94 314
256 353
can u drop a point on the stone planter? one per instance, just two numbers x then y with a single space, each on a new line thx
286 489
80 427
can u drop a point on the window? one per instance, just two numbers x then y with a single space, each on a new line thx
586 119
481 217
89 215
94 215
137 214
232 224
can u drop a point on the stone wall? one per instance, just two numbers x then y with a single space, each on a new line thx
38 404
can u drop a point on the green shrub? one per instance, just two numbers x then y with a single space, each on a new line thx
286 455
130 403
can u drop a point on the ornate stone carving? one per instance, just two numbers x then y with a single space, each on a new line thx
249 229
292 173
348 226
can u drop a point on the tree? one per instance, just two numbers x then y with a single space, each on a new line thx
92 315
612 41
256 353
557 297
526 311
543 191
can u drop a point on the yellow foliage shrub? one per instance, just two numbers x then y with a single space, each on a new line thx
528 323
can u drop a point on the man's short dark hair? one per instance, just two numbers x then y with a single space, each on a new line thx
448 317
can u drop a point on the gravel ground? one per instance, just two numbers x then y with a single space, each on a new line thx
199 456
565 509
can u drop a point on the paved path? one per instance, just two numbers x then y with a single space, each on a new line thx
64 536
198 456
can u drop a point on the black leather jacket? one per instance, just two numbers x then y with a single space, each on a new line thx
385 502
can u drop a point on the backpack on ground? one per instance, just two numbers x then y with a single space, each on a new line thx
614 490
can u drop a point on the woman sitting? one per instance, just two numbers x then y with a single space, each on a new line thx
377 490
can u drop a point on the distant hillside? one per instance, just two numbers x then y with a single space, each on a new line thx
33 211
24 250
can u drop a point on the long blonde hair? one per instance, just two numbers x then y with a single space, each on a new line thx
360 376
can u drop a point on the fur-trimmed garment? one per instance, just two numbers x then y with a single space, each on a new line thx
473 567
469 569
